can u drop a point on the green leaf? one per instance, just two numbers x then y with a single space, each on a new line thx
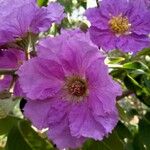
95 145
32 137
129 146
23 137
123 131
131 83
144 52
16 141
7 123
143 97
114 142
82 3
137 144
135 65
68 4
111 143
144 132
42 2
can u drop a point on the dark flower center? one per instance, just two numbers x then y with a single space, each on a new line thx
119 24
76 86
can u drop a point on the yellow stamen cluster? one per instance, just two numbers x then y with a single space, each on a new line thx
119 24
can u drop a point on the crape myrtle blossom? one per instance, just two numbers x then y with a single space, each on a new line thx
23 17
68 90
120 24
10 59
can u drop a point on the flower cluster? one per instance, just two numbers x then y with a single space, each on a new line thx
66 83
18 20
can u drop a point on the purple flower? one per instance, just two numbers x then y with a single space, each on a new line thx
10 59
69 90
27 17
120 24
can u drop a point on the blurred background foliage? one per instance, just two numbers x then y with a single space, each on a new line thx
131 71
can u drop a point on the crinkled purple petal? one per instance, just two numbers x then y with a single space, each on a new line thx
55 45
147 3
83 124
37 111
5 82
109 7
101 114
11 58
102 38
55 12
17 90
40 78
131 42
58 119
96 19
66 47
7 6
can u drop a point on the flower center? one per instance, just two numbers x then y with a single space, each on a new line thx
119 24
76 86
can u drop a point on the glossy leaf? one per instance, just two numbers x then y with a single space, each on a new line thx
35 140
42 2
135 65
7 123
144 132
16 141
123 131
23 137
131 83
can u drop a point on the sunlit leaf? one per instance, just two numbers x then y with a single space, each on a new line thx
42 2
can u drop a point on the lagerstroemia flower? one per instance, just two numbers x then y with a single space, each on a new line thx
25 17
69 90
10 59
120 24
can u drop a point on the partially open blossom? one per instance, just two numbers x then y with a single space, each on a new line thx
120 24
68 90
10 59
18 20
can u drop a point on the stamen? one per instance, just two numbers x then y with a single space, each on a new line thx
76 86
119 24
